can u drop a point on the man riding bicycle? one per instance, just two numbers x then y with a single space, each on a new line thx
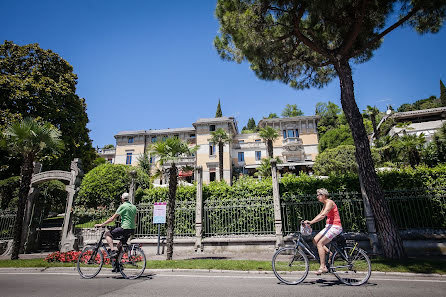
127 212
332 228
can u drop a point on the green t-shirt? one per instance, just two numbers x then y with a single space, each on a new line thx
127 211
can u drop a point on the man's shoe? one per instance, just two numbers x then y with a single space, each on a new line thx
113 254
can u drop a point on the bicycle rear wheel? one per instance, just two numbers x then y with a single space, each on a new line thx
132 262
290 265
353 268
90 262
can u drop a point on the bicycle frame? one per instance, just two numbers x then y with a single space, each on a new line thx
300 243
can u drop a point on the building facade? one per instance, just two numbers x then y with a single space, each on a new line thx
296 146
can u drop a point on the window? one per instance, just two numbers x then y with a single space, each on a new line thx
192 135
258 140
241 157
153 139
211 176
211 149
297 133
130 140
212 128
152 160
110 160
241 141
284 134
258 155
290 133
176 136
310 125
128 160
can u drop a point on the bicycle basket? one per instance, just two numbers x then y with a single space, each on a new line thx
305 230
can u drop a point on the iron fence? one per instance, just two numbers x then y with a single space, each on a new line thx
184 220
306 207
7 221
253 216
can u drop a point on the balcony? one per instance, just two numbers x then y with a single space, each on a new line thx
249 145
292 140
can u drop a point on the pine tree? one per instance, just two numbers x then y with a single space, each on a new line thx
251 124
218 113
442 93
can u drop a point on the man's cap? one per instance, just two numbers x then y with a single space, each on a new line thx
125 196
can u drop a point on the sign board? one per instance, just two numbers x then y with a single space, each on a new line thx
159 212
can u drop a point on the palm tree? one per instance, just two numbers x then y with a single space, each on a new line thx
168 153
268 135
220 137
264 170
409 147
371 113
32 140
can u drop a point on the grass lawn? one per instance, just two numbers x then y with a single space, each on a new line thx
411 265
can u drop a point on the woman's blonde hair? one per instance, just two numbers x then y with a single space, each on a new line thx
322 192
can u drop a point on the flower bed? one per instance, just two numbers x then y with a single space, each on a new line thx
71 257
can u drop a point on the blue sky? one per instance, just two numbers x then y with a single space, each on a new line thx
152 65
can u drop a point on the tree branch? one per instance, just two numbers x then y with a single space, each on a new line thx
312 45
385 32
356 28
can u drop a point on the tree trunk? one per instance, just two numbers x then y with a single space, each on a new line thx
389 236
220 160
375 131
173 177
269 145
26 174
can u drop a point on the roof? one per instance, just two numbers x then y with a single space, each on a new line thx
156 131
418 113
218 120
290 119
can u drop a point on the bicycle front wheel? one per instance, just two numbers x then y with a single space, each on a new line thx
353 267
290 265
90 262
132 262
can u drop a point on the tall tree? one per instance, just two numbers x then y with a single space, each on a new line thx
329 113
442 93
39 83
272 115
372 113
168 153
32 141
218 113
251 124
220 137
291 110
269 134
307 43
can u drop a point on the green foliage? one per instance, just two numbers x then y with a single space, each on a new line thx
264 170
159 194
54 196
109 146
218 113
335 137
251 127
99 161
103 185
272 115
38 83
9 192
431 102
171 150
291 110
329 113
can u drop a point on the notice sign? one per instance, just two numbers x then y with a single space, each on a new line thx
159 212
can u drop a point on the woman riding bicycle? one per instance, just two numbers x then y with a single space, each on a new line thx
332 228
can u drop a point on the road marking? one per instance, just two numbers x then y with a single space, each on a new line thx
218 276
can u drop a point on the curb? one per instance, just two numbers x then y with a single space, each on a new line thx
73 269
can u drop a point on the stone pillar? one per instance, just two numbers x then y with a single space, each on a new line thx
68 240
199 210
132 186
277 207
370 220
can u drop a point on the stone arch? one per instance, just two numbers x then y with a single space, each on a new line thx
73 177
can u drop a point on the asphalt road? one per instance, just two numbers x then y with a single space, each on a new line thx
209 284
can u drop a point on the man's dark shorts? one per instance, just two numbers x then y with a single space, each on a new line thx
118 232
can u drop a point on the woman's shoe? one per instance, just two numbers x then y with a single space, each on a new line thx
320 271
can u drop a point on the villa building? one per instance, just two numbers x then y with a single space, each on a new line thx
296 146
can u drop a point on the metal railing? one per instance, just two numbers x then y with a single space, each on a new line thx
184 221
306 207
253 216
7 220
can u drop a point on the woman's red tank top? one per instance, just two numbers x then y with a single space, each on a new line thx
333 217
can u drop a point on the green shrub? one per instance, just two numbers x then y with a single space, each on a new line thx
9 192
103 185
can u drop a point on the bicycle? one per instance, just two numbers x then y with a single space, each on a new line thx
130 261
348 262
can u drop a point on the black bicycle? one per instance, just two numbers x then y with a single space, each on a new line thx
347 262
130 261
